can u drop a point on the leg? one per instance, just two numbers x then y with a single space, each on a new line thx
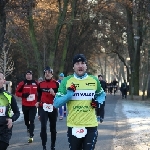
53 118
26 116
74 142
60 113
102 111
90 139
64 110
114 90
3 145
32 114
98 114
125 93
43 120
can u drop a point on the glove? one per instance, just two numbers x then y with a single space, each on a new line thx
72 87
94 103
25 95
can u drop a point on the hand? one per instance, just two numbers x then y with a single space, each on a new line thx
101 120
52 91
94 103
72 87
25 95
37 104
9 123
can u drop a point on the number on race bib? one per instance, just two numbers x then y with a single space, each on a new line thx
79 132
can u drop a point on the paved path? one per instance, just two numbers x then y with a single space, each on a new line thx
106 130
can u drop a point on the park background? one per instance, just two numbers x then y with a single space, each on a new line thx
113 35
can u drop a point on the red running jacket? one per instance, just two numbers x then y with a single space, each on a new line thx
44 95
27 86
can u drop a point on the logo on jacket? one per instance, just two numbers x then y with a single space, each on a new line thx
90 84
77 85
83 95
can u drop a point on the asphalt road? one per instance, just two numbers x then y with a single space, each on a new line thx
106 131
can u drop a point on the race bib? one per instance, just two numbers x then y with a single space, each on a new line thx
31 97
2 110
48 107
79 132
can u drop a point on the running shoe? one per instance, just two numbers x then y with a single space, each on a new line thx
52 148
61 118
30 140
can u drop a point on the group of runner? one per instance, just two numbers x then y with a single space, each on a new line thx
81 92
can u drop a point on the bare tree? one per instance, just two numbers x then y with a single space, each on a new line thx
6 62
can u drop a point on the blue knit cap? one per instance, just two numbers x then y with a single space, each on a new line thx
61 75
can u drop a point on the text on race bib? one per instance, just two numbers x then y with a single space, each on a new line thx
2 110
48 107
31 97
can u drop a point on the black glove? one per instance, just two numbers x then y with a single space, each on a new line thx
72 87
25 95
94 103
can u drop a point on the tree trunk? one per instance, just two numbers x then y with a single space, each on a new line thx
131 49
61 18
68 35
2 23
138 45
33 39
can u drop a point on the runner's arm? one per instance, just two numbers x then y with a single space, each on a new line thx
100 94
60 99
63 95
15 109
19 89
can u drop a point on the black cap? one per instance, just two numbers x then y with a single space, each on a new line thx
79 57
48 69
100 75
29 71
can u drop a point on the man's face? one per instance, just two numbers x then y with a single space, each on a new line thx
29 76
100 78
80 68
61 78
48 75
2 81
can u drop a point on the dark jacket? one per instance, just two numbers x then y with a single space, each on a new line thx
123 86
103 84
5 133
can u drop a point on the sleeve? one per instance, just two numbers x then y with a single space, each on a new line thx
105 85
39 93
15 109
19 89
57 86
99 94
63 95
